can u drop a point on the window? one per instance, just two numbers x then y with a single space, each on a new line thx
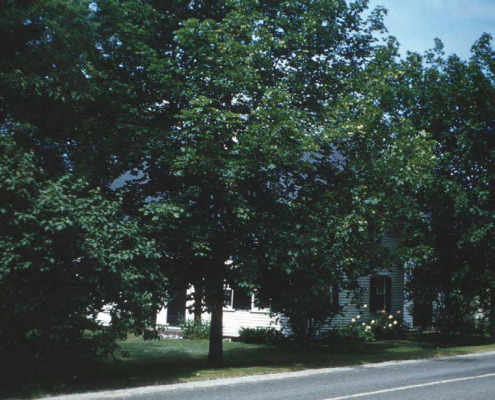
237 299
255 305
176 308
380 293
228 294
242 299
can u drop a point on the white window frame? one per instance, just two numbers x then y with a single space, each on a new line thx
253 309
230 305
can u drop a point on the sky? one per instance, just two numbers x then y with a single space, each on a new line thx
458 23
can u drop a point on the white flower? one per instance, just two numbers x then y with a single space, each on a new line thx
368 327
390 317
363 324
390 325
358 316
353 320
373 322
365 306
395 322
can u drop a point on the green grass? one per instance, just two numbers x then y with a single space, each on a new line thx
171 361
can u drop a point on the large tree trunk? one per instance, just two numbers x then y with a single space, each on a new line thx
215 355
215 298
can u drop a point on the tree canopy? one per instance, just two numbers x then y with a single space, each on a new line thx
453 99
276 122
268 144
67 254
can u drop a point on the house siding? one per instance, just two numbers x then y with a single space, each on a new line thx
351 309
234 320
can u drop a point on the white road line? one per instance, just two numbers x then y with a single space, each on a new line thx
355 396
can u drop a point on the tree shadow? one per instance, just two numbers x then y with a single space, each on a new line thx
166 362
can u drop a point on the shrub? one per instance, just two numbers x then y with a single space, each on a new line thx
67 253
455 314
195 330
260 335
354 333
379 327
387 326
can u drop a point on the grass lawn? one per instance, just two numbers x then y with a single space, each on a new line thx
171 361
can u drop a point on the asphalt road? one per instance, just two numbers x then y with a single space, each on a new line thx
456 378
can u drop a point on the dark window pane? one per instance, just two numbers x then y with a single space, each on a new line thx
242 299
176 308
227 298
380 293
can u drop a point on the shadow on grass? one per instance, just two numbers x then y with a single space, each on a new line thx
172 361
446 341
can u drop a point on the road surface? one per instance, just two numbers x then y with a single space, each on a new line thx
449 378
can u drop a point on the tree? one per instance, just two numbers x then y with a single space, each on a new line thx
262 87
453 99
81 82
66 254
228 113
85 84
361 184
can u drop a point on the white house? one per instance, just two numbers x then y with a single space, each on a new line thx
384 290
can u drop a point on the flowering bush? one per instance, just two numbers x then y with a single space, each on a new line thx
387 326
356 332
379 327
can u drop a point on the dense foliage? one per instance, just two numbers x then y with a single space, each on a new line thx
66 254
261 335
268 145
279 156
75 100
453 258
195 329
77 82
